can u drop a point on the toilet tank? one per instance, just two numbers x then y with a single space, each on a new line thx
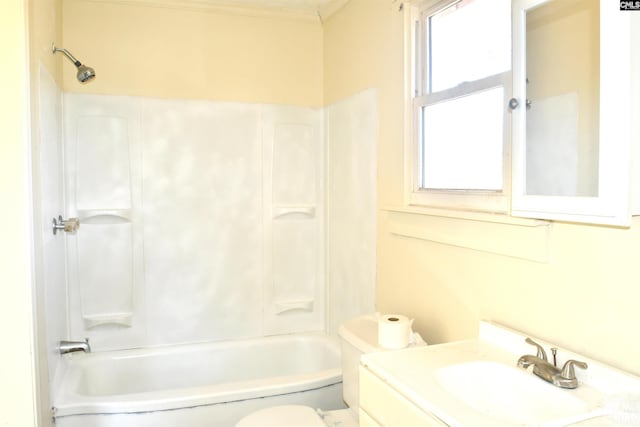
357 336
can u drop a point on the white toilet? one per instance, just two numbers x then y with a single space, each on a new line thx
357 336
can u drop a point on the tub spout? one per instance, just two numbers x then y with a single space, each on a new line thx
72 346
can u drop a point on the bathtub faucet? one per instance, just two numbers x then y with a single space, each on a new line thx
71 346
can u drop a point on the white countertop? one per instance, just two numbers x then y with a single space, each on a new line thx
411 373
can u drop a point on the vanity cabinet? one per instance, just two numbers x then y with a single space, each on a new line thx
383 406
365 420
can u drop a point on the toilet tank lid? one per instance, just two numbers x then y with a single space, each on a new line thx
361 332
283 416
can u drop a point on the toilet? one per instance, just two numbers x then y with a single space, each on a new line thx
357 336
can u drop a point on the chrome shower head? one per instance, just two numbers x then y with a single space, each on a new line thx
84 73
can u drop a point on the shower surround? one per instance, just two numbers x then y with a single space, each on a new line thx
209 221
201 220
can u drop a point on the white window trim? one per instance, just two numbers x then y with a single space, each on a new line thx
470 200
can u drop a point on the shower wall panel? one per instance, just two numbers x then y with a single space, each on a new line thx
48 189
103 146
351 128
200 220
202 224
294 220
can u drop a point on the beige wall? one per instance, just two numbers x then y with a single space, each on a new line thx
362 47
17 392
585 297
194 52
45 28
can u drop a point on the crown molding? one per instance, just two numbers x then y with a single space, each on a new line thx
296 9
329 8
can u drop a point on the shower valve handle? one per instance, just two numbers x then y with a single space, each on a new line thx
70 225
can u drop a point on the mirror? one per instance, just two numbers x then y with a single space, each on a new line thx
562 90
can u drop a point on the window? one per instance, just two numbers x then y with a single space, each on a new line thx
460 74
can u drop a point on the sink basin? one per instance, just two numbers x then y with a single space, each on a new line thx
510 394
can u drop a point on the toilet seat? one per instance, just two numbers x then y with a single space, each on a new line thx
283 416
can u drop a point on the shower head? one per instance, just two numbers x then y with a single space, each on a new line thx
84 73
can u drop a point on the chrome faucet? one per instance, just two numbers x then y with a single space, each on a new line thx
72 346
565 377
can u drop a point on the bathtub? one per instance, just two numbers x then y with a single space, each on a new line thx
208 384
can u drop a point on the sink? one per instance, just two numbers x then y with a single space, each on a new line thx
477 382
510 394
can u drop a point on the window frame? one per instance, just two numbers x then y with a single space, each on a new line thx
417 97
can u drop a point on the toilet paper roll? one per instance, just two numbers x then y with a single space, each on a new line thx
394 331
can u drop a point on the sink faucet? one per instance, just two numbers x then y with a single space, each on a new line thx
565 377
71 346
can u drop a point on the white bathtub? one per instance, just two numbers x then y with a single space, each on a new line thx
210 384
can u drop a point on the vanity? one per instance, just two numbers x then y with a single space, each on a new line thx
477 383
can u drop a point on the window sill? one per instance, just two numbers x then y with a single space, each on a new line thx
487 232
468 215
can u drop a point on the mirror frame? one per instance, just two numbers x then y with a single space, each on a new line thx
612 205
